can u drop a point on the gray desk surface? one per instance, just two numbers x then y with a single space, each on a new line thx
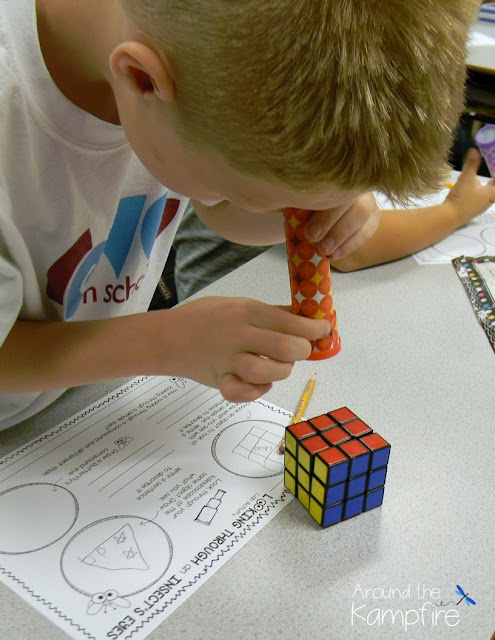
415 365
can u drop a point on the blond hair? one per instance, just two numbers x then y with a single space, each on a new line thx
359 93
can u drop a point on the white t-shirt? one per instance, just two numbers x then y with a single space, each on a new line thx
84 229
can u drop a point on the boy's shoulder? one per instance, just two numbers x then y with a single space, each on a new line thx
18 39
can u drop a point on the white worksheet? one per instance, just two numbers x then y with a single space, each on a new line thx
112 519
476 239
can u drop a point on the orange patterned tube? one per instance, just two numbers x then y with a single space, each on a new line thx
310 282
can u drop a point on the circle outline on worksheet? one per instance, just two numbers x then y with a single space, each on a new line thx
55 512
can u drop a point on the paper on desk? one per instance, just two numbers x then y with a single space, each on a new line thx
475 239
109 521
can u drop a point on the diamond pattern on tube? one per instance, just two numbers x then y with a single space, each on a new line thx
310 282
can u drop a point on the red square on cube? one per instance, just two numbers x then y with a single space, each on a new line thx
357 428
323 422
301 430
336 435
343 415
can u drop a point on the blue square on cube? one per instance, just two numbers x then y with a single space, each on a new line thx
377 478
354 506
335 493
374 499
332 515
360 465
380 458
338 473
356 485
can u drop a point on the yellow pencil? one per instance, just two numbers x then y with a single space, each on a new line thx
303 403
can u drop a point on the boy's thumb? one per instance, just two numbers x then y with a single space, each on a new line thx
473 159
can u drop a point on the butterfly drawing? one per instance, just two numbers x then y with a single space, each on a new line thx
460 592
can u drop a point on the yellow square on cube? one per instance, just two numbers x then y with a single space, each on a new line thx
290 442
290 462
303 478
303 458
321 470
290 482
317 490
303 496
315 510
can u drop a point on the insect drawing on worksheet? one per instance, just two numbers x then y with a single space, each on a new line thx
109 600
123 442
179 382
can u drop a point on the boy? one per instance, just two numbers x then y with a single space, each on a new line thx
257 106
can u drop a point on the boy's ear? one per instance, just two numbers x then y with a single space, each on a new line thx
142 70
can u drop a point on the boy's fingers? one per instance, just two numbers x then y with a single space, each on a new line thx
358 219
278 346
233 389
319 221
257 370
349 242
347 247
284 322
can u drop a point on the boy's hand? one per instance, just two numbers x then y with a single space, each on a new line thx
468 195
238 345
340 231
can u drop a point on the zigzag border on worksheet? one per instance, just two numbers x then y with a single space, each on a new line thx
73 420
50 606
282 412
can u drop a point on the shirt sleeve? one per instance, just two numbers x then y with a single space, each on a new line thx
10 275
14 407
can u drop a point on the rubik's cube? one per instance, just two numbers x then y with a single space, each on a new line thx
335 465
